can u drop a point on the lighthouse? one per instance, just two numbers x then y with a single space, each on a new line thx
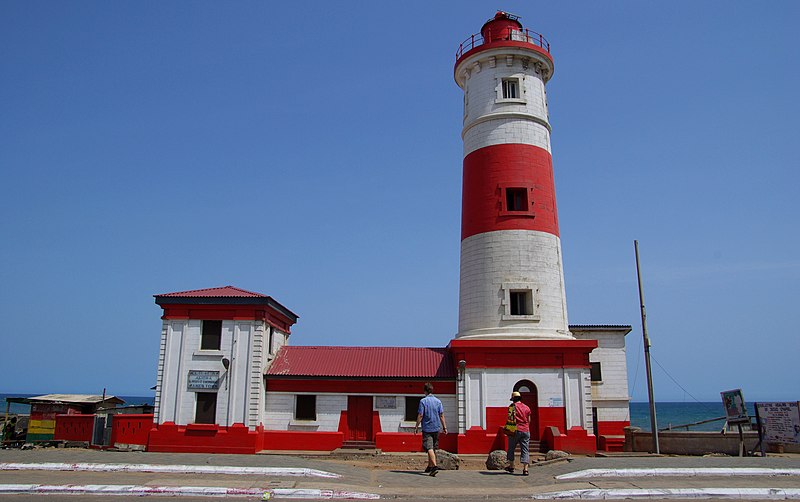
513 332
512 279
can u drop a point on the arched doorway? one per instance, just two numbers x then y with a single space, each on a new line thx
530 396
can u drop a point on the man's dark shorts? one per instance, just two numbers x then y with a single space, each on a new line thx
430 440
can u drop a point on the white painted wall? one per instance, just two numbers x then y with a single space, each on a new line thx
279 412
555 387
609 396
490 259
488 118
241 343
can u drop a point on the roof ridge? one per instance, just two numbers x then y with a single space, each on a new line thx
202 290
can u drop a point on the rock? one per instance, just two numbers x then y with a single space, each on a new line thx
554 454
447 461
496 461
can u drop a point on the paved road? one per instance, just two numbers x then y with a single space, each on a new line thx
464 485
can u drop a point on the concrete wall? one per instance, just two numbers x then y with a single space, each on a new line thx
688 443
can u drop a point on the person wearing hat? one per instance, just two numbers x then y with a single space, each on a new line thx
522 436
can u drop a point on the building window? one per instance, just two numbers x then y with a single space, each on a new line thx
510 88
521 302
516 199
412 407
211 338
305 407
597 375
206 410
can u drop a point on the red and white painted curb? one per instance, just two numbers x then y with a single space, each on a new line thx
679 471
187 491
675 493
174 469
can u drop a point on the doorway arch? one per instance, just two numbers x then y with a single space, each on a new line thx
530 396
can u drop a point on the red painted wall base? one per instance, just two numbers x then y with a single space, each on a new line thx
197 438
575 440
202 438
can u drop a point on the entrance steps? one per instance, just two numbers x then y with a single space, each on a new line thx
358 445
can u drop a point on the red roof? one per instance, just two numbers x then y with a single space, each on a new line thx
221 292
362 362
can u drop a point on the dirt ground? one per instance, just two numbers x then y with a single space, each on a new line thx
404 462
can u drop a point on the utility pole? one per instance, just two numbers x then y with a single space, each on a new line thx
653 421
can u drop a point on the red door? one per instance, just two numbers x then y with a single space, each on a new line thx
359 418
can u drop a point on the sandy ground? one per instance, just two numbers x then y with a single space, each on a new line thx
405 462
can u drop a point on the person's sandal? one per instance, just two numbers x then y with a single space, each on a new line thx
509 470
525 472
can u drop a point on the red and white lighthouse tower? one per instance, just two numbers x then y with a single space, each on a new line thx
513 333
512 280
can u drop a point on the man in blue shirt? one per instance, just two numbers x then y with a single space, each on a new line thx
431 414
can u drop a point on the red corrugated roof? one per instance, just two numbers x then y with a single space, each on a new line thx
221 292
362 362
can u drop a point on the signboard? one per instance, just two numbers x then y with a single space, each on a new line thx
735 411
385 402
203 380
780 422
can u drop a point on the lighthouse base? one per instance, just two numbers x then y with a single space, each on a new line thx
553 377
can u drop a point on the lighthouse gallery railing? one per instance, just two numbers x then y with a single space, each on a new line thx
524 35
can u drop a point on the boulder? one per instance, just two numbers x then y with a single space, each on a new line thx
447 461
496 461
554 454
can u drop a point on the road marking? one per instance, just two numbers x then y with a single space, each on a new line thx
187 491
676 493
674 471
174 469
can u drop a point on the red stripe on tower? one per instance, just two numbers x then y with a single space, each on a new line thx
508 187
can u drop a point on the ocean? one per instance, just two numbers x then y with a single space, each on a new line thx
676 414
667 413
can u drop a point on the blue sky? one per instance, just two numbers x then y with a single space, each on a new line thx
312 152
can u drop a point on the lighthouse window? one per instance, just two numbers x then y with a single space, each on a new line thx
521 302
510 88
211 336
516 199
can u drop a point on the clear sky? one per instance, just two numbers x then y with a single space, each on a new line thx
311 151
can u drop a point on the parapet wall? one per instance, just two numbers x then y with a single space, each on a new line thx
695 443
